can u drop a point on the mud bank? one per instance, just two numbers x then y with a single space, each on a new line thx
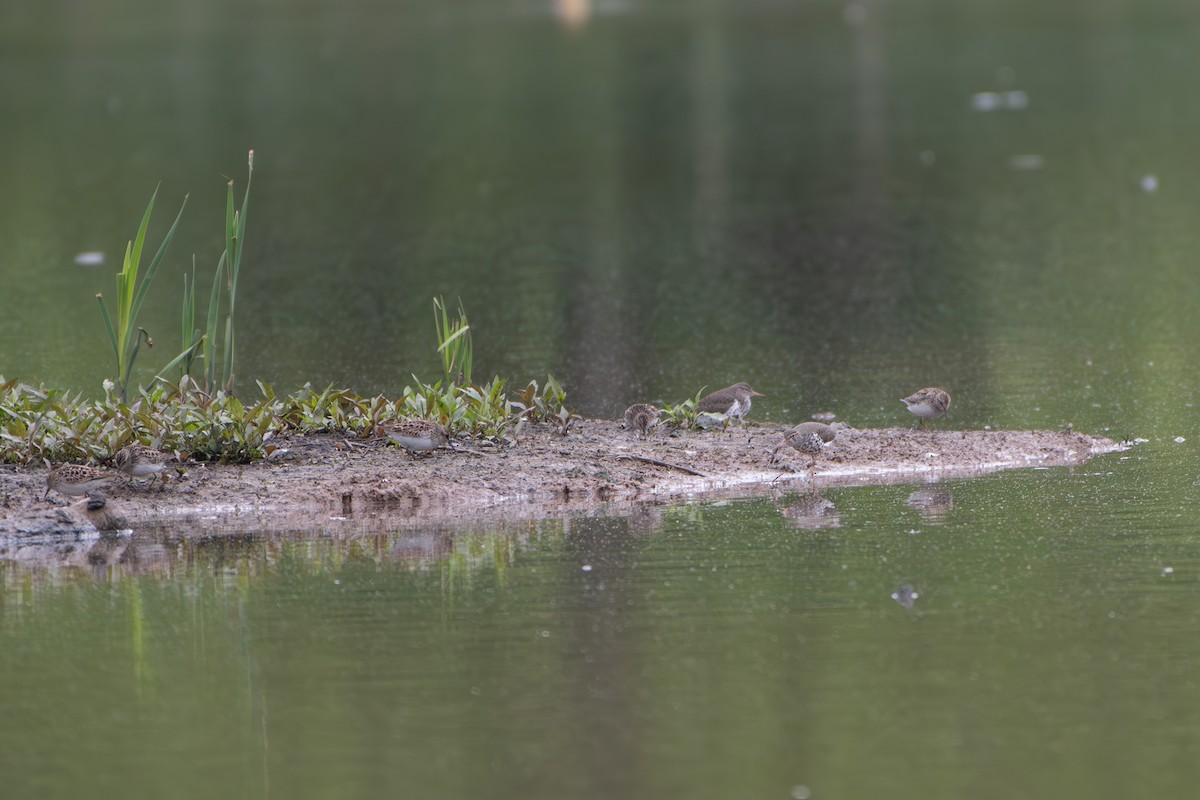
324 480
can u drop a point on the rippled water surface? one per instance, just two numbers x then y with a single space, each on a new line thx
838 202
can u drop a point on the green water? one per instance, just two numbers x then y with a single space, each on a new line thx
673 194
708 651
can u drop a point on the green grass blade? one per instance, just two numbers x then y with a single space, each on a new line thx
179 359
112 334
130 269
123 324
241 226
210 337
452 337
231 235
227 371
154 262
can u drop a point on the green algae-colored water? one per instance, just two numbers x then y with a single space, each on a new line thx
838 202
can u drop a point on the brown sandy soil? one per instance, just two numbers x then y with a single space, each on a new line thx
322 481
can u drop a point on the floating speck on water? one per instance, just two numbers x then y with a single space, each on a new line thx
1180 440
1026 162
586 568
545 634
337 581
824 416
906 595
1149 184
987 427
90 258
1013 100
475 690
927 158
801 792
985 101
1168 570
1016 100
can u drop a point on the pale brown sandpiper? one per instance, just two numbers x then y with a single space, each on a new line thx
418 435
76 480
139 461
929 403
809 438
732 402
641 417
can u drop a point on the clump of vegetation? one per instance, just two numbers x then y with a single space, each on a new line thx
483 411
545 405
217 350
454 343
682 415
203 418
37 422
125 336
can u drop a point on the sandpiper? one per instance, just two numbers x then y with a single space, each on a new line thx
641 417
418 435
138 461
929 403
809 438
733 402
76 480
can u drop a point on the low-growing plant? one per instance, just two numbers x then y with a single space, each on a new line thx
193 420
541 404
682 415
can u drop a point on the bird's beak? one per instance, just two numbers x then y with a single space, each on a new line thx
757 394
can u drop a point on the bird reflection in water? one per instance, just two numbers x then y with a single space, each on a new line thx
421 549
932 502
809 511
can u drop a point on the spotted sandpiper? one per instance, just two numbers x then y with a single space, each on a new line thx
139 461
809 438
76 480
732 402
641 417
418 435
929 403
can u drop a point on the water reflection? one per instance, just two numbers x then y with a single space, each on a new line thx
809 511
421 549
933 502
94 552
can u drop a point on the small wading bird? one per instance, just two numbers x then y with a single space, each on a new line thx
640 418
418 435
76 480
732 402
138 461
809 438
927 404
